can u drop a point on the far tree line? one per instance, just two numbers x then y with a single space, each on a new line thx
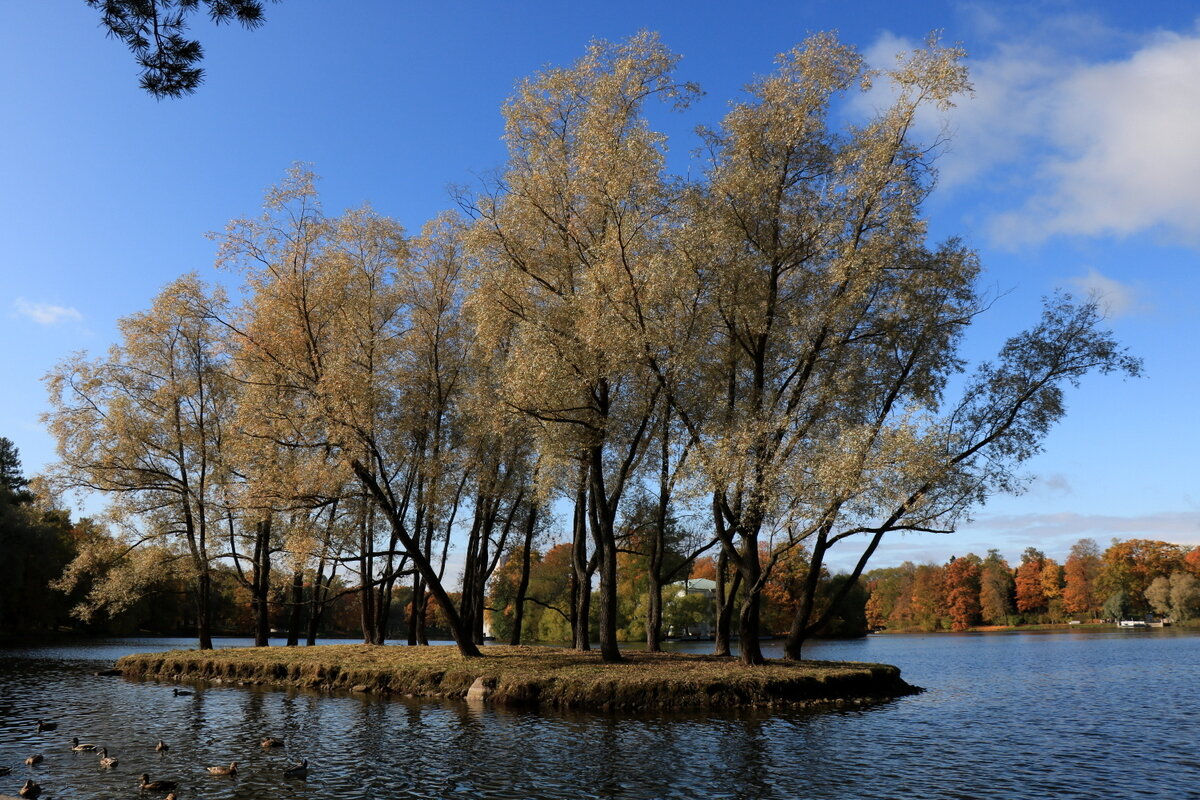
1130 579
764 349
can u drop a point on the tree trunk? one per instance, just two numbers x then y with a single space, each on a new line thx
603 536
654 616
260 586
748 615
366 544
659 544
316 603
203 613
581 605
297 608
416 604
726 602
523 583
422 616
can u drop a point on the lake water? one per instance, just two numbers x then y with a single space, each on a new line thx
1031 715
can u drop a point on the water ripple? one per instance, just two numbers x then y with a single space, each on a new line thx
1063 716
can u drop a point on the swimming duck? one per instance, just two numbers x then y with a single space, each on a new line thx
30 789
271 741
230 770
162 746
297 771
5 770
181 693
46 726
107 761
81 748
32 760
164 786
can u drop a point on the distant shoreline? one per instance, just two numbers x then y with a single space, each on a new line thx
1038 628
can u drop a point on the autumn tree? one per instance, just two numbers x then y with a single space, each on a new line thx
326 323
1030 594
784 586
839 329
962 577
548 595
996 589
1128 568
929 596
889 588
1080 572
147 424
1053 582
567 241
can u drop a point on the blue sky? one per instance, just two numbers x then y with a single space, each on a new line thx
1076 164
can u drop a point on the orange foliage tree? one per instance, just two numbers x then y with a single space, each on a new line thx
1080 594
1031 596
961 577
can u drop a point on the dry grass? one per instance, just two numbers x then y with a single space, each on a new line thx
532 676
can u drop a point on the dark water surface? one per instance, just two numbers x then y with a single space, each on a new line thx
1053 715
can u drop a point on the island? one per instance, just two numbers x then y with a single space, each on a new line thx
528 676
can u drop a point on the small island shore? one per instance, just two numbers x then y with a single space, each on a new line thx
532 676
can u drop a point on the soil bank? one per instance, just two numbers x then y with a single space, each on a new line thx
532 676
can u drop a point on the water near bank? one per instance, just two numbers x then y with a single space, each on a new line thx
1064 715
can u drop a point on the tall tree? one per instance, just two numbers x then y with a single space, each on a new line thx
962 591
147 424
1031 594
1128 568
568 240
996 589
1080 572
811 256
38 542
327 325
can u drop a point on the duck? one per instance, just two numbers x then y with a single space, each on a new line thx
162 746
181 692
81 748
107 761
46 726
33 760
230 770
30 789
299 770
163 786
5 770
271 741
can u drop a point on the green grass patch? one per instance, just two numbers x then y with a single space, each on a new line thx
532 676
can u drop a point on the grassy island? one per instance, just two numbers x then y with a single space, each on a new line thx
532 676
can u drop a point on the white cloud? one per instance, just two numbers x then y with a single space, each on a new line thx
1012 533
1123 154
1087 147
1116 298
45 313
1182 527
